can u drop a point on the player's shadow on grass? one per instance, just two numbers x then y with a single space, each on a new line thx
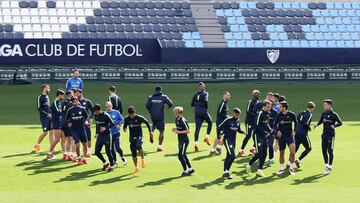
160 182
242 160
251 180
203 186
112 180
146 153
44 166
16 155
187 153
76 176
310 179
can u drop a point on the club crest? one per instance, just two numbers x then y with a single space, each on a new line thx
273 55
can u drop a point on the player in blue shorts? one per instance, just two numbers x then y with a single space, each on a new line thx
87 104
56 117
155 105
330 120
285 125
182 130
115 133
43 106
134 121
77 120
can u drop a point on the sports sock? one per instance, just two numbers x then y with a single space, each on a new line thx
196 142
259 170
281 166
207 136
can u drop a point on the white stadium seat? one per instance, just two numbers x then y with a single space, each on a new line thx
64 28
87 4
55 28
28 35
56 35
18 28
47 35
25 12
35 19
34 12
81 20
79 12
16 20
27 28
63 20
60 4
25 20
38 35
5 4
44 19
14 4
72 20
78 4
69 4
6 12
43 12
42 4
46 28
7 19
15 12
89 12
54 20
70 12
96 4
36 28
61 12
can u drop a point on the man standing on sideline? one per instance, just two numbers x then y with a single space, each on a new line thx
43 106
56 117
330 121
250 121
115 133
221 115
74 82
104 123
77 120
155 105
115 100
200 102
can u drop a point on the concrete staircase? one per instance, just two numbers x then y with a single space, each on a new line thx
205 18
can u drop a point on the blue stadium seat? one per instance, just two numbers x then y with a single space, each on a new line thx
220 13
250 44
240 44
231 44
231 21
189 44
237 36
304 44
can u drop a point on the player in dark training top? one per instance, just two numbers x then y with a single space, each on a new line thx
301 132
221 115
261 134
134 121
200 103
87 104
69 144
77 120
229 127
56 119
43 106
285 125
155 106
182 130
272 137
251 112
104 123
115 100
330 121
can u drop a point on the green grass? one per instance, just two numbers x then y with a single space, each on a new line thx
29 177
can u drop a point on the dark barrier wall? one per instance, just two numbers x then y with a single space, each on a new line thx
261 56
79 51
126 51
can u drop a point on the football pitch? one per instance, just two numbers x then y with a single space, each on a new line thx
29 177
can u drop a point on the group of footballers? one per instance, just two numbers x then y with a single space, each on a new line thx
268 122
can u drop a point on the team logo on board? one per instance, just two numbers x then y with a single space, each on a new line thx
273 55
